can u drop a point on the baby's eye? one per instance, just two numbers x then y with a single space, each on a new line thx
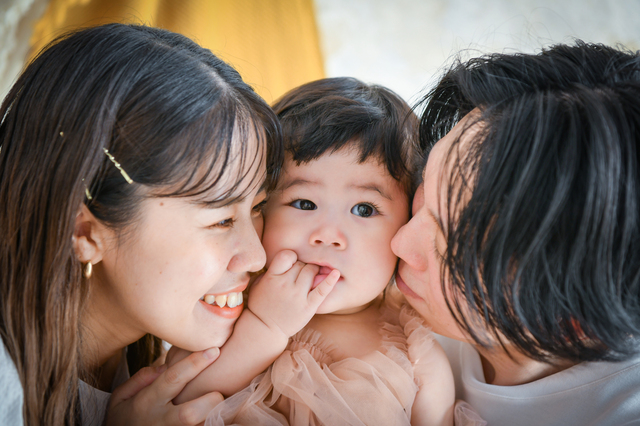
258 208
303 205
364 210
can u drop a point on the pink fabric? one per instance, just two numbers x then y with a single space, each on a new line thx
315 390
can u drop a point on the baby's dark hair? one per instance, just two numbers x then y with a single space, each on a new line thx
329 114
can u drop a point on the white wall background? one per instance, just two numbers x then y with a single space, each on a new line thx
403 44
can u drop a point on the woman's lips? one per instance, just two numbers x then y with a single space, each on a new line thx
226 312
402 286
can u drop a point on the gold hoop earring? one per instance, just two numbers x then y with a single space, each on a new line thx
88 270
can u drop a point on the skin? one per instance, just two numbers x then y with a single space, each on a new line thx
312 213
151 278
420 245
315 211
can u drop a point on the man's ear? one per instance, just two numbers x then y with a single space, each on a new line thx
89 237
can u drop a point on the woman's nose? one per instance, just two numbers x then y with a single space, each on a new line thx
251 257
328 233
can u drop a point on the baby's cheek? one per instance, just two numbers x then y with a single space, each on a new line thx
280 233
271 244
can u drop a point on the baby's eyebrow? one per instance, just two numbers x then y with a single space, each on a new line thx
296 182
371 187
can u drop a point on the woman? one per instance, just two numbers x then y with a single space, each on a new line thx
524 247
132 170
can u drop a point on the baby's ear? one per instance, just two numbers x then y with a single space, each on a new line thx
89 237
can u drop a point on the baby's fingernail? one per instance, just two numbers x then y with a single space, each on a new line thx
211 353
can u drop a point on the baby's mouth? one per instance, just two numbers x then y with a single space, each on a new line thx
230 300
322 274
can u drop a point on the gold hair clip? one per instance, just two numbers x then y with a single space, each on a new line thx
86 192
119 167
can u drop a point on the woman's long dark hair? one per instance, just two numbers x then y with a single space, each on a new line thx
170 112
546 251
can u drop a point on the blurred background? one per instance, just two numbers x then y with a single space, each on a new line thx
279 44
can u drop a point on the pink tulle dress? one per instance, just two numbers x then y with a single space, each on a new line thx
312 388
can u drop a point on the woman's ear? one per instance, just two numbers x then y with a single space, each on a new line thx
89 237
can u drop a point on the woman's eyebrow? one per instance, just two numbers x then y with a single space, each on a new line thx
230 199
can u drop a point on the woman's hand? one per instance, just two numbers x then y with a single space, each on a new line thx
175 355
146 397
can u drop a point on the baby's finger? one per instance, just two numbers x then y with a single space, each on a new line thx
323 289
196 411
282 262
174 379
307 275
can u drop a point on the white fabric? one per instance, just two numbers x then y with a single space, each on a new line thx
11 391
94 402
598 393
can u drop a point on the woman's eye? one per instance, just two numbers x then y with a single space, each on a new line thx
258 208
303 205
227 223
364 210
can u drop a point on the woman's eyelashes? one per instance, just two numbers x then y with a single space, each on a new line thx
258 209
223 224
361 209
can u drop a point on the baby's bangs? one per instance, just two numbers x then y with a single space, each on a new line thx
214 146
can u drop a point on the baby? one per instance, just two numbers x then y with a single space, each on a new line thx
344 191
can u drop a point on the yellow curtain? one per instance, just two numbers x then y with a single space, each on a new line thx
272 43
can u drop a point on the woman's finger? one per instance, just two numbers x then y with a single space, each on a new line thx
176 355
170 383
195 412
143 378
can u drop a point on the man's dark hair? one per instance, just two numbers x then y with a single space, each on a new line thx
545 246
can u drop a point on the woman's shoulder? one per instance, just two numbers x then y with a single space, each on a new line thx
11 391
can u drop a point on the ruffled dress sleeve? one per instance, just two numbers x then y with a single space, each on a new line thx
305 386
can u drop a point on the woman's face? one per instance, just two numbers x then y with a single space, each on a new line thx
421 243
154 280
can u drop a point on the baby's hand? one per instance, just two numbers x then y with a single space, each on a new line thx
281 298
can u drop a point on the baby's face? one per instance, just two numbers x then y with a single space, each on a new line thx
338 214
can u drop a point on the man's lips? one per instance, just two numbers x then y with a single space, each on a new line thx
402 286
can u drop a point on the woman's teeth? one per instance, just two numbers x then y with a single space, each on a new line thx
231 299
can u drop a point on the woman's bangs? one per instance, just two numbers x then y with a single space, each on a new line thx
221 157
